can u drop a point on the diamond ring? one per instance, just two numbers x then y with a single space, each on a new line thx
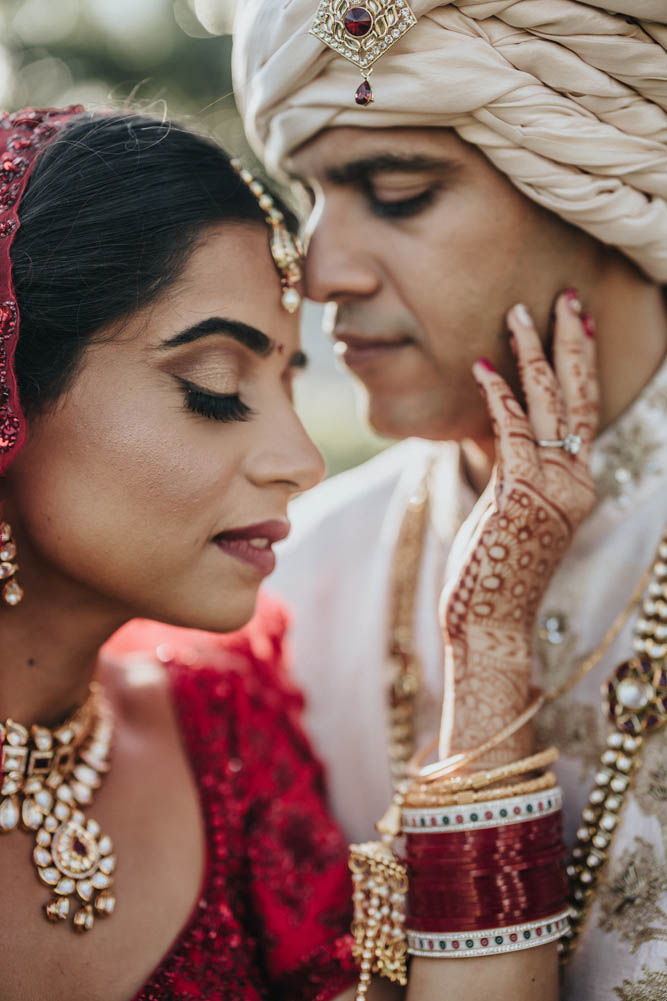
571 443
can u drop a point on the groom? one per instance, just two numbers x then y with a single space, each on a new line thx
513 150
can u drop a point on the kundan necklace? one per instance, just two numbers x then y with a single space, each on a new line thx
48 778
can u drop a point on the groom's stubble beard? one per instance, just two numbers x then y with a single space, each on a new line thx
414 390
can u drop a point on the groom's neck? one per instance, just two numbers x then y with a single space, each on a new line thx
631 317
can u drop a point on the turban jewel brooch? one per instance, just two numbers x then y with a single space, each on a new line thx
362 32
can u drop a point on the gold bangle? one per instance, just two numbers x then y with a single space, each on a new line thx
480 780
431 798
418 793
455 763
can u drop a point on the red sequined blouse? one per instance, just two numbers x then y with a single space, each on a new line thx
272 918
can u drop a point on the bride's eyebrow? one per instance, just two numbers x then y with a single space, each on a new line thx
250 337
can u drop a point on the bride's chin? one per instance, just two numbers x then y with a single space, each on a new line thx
216 610
221 619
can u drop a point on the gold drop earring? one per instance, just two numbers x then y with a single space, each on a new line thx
12 592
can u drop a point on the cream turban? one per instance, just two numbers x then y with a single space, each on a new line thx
569 99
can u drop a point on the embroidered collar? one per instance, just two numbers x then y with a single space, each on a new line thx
630 456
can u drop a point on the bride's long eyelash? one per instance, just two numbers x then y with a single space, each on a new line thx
226 408
404 208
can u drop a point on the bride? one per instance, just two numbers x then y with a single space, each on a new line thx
154 367
149 449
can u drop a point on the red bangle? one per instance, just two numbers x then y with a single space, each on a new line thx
471 880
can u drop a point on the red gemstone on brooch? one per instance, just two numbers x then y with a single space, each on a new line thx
364 94
79 848
357 21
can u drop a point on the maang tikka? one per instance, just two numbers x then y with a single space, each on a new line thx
362 32
285 247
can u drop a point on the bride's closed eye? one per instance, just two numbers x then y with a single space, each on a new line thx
225 407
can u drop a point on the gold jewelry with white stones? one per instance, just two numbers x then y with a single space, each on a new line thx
48 777
285 246
362 32
635 699
380 886
12 592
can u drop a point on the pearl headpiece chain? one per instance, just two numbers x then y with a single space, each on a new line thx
285 247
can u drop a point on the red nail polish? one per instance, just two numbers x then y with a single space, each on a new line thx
588 324
486 363
573 300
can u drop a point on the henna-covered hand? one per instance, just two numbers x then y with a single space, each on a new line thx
541 495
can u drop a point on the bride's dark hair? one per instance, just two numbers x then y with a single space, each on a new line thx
109 217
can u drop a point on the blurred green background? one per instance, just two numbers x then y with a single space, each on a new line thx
169 56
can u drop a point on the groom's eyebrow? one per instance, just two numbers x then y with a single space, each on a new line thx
360 170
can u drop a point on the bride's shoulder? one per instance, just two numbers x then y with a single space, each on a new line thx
145 657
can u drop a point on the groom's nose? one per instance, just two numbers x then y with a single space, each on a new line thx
340 265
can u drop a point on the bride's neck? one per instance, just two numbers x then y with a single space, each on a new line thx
48 653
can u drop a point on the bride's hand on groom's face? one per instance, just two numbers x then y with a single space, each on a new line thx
542 494
543 491
561 401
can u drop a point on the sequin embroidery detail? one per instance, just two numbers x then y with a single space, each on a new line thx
23 135
272 921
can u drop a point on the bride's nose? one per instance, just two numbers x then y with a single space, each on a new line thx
286 455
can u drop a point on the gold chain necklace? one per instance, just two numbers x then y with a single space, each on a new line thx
404 667
48 777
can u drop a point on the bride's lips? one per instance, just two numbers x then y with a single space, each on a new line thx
357 351
252 544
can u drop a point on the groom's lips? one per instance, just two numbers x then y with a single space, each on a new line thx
357 351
